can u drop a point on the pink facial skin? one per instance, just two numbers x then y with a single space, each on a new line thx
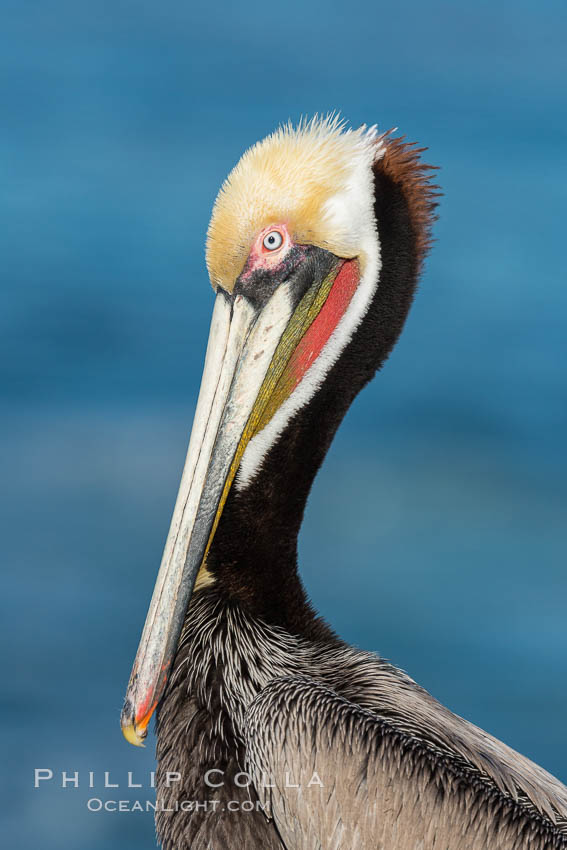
264 258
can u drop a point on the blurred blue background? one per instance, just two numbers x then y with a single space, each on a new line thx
436 532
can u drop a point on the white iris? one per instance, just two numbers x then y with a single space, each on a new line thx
272 240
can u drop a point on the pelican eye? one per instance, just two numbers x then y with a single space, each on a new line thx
272 240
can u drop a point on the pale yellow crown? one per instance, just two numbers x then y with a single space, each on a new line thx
316 178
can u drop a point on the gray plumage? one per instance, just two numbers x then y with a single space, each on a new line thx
398 769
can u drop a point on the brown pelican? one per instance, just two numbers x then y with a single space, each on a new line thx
271 731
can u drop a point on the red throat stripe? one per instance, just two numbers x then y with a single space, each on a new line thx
326 321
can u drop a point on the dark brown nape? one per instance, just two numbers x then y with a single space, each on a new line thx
402 165
254 552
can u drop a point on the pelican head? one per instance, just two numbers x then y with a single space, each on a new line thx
294 257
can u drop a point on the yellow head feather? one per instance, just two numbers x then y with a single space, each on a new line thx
295 176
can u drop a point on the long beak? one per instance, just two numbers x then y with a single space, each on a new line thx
247 376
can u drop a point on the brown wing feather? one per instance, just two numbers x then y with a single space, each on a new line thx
381 787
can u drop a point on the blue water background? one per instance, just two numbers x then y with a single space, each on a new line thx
436 532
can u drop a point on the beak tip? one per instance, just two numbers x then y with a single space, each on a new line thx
133 731
133 734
